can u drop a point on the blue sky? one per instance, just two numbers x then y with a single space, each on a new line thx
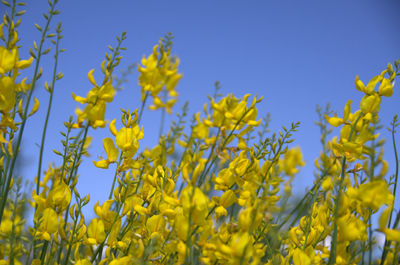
296 54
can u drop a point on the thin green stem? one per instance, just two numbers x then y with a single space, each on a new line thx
71 176
119 207
162 115
13 11
370 239
388 242
72 238
308 229
205 172
142 107
24 118
66 150
189 256
43 254
115 177
332 255
53 82
13 236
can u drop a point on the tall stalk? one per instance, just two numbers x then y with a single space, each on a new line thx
52 12
332 255
51 91
394 124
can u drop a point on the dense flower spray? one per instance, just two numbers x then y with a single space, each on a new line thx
216 191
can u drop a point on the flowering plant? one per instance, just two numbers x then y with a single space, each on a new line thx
208 193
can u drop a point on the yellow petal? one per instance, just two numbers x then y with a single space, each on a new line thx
221 211
359 85
334 121
372 84
111 150
383 219
79 99
101 164
96 230
392 234
228 198
91 78
300 257
113 130
347 110
370 103
35 107
49 221
7 93
386 88
24 63
156 223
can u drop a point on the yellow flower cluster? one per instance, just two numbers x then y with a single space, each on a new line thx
160 71
10 88
209 193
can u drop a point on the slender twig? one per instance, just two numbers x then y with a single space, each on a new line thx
53 82
25 114
332 255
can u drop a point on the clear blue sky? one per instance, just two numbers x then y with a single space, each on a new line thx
297 54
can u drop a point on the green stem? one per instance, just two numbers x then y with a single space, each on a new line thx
142 107
43 254
388 242
51 256
189 256
12 237
76 160
119 207
162 115
310 219
332 255
370 239
115 177
13 11
396 254
53 82
66 150
72 238
201 180
24 118
205 172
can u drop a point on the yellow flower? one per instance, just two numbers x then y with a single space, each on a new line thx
48 224
386 88
158 71
351 228
370 103
60 196
96 102
300 257
227 199
292 159
327 184
105 213
7 94
195 203
111 151
370 86
127 260
155 224
96 232
374 194
335 121
83 262
221 211
391 234
8 59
